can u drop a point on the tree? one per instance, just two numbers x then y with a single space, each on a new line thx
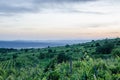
67 45
97 44
15 56
62 57
50 50
105 49
116 52
42 56
54 75
51 65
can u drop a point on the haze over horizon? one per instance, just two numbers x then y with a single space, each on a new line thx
59 19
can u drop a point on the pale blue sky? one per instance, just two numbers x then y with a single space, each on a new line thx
59 19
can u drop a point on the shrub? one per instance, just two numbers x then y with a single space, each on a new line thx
97 44
42 56
15 56
105 49
67 45
51 65
1 78
50 51
116 52
53 75
19 64
62 57
2 72
10 77
11 72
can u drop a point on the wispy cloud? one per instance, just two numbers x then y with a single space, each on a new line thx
8 7
81 11
60 1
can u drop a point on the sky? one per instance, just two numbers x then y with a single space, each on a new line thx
59 19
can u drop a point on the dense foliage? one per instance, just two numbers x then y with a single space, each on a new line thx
105 49
95 60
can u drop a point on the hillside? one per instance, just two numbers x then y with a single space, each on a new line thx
95 60
37 43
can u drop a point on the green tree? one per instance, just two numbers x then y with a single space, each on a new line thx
62 57
97 44
15 56
105 49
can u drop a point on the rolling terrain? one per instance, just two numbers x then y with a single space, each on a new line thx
95 60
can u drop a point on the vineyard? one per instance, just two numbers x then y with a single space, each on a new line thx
95 60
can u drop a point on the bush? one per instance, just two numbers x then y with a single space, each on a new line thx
2 72
11 72
116 52
42 56
97 44
15 56
50 51
1 78
62 57
50 66
67 45
10 78
19 64
105 49
53 75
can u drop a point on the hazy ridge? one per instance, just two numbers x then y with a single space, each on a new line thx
38 44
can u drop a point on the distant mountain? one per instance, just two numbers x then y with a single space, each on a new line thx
38 44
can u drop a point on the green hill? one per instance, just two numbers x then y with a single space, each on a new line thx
95 60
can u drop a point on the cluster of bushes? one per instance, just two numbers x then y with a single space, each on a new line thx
6 50
92 69
116 52
46 55
105 48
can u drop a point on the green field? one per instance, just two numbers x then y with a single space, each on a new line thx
95 60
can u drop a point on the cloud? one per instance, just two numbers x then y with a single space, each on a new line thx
60 1
107 24
81 11
12 6
8 7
